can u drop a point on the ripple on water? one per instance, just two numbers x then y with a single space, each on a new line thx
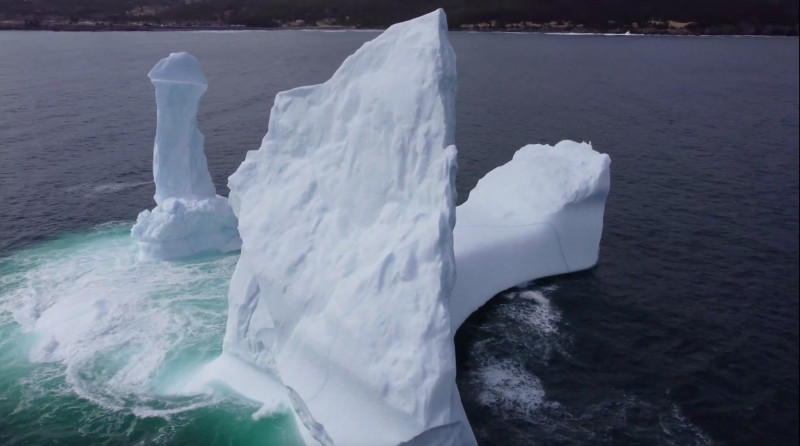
518 337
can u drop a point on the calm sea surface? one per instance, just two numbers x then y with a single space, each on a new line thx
686 332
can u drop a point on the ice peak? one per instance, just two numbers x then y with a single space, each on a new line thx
180 68
432 20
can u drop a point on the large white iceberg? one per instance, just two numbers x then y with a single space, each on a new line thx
346 215
189 216
345 300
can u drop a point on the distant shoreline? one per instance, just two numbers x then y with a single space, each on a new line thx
107 27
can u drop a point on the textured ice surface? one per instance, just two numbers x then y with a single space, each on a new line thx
346 215
189 217
345 290
539 215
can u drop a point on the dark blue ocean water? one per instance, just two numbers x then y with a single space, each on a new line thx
686 332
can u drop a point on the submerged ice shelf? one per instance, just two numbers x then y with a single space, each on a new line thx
189 217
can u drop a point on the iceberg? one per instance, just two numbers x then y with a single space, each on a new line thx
539 215
346 214
354 274
189 217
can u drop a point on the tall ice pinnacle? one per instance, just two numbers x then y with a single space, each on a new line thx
346 214
190 217
180 169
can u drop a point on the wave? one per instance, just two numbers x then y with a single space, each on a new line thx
507 372
89 189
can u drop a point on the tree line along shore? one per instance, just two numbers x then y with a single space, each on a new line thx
674 17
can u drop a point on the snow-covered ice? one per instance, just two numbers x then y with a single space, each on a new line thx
539 215
189 216
346 214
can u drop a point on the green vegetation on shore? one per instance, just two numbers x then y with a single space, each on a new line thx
769 17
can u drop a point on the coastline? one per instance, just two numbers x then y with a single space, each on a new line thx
225 28
573 31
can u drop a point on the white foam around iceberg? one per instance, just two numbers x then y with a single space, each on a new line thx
189 216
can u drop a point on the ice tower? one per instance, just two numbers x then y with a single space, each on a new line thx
189 217
346 214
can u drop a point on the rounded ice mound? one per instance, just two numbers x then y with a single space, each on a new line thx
189 218
538 181
539 215
179 68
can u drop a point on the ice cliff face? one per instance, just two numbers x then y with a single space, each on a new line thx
189 217
346 215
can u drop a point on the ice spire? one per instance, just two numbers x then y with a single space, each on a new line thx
189 216
180 169
346 214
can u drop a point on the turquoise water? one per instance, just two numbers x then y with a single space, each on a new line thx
95 344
